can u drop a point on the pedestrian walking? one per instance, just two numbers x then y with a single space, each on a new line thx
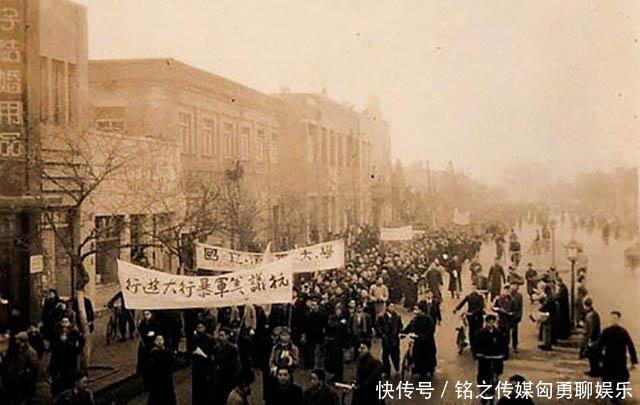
590 337
496 279
518 307
368 375
615 344
389 326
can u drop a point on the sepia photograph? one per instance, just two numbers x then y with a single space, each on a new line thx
319 202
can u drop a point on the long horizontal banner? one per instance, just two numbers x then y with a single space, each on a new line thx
402 233
271 283
323 256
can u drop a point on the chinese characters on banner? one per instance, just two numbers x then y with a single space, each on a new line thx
271 283
323 256
12 83
394 234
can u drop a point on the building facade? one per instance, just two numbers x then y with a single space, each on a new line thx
330 163
219 124
43 54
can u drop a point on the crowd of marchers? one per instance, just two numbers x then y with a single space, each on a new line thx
333 320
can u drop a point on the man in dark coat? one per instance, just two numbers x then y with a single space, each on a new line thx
362 328
550 308
614 344
434 279
336 338
319 393
490 352
21 371
226 367
389 326
431 307
590 337
201 364
496 279
161 365
503 305
424 344
531 275
312 333
517 314
63 364
564 316
285 391
475 313
148 328
368 374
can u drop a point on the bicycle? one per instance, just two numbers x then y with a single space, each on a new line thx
494 375
461 333
406 367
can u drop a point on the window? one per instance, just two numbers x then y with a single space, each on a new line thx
71 93
260 145
58 93
113 125
208 137
332 148
340 141
44 77
245 135
274 148
229 141
312 141
185 126
323 146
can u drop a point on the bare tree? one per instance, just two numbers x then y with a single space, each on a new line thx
292 226
198 219
74 166
239 210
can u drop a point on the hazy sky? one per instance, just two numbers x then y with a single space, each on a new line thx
486 84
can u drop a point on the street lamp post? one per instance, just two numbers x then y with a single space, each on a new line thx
572 249
552 224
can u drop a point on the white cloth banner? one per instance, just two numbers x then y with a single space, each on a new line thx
271 283
402 233
323 256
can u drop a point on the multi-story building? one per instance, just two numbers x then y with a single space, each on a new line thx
329 161
219 124
43 53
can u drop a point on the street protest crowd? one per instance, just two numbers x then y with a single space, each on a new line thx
333 319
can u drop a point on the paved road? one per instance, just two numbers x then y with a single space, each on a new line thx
610 285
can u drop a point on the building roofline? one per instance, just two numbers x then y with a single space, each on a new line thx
173 61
